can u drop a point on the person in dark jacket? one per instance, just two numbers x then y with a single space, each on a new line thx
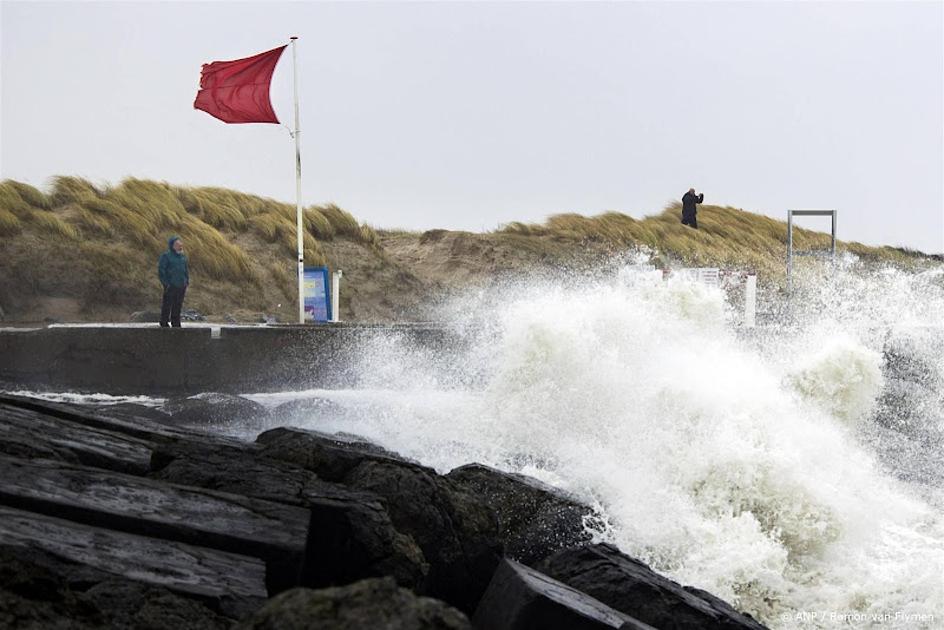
689 201
174 272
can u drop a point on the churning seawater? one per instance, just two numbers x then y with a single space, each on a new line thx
794 470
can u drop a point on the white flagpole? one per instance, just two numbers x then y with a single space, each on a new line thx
299 226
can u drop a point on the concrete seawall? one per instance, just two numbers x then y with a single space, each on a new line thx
135 360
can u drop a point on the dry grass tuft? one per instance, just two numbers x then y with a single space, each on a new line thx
343 223
29 194
55 227
318 224
66 190
9 223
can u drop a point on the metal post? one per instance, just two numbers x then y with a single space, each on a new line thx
336 296
789 251
835 213
299 224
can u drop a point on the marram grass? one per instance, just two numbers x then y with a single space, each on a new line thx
144 213
727 237
245 244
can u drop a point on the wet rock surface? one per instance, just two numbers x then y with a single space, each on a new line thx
630 586
122 518
457 531
215 409
520 598
535 520
373 603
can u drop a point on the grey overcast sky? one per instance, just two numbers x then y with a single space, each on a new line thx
470 115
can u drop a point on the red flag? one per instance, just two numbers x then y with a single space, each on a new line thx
238 91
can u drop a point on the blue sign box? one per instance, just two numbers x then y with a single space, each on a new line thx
317 294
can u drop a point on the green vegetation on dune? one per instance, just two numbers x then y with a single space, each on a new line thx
727 237
142 212
96 248
227 234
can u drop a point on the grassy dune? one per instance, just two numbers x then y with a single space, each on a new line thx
81 252
99 246
727 237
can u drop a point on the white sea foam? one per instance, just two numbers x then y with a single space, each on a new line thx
794 471
750 466
87 399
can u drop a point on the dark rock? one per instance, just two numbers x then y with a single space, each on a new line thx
535 520
135 427
41 590
30 434
631 587
457 532
229 318
373 603
145 317
33 595
133 411
273 532
136 606
351 537
215 409
23 613
80 556
192 315
519 598
41 576
331 457
724 609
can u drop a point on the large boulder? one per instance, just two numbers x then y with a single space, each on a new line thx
134 411
457 531
213 409
631 587
351 534
535 520
35 595
520 598
331 457
138 606
39 590
373 603
246 529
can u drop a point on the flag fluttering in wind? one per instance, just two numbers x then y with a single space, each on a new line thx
238 91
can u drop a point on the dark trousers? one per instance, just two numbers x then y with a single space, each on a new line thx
170 305
689 220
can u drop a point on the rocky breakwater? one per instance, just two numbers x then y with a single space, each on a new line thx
127 520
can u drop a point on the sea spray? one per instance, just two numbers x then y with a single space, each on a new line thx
843 378
747 465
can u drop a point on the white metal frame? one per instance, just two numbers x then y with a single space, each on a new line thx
790 253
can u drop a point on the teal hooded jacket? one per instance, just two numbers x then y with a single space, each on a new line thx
172 268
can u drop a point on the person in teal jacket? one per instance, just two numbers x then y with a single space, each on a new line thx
174 272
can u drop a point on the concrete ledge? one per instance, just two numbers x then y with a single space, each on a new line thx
184 361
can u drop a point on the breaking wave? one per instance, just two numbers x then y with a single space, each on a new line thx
786 468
